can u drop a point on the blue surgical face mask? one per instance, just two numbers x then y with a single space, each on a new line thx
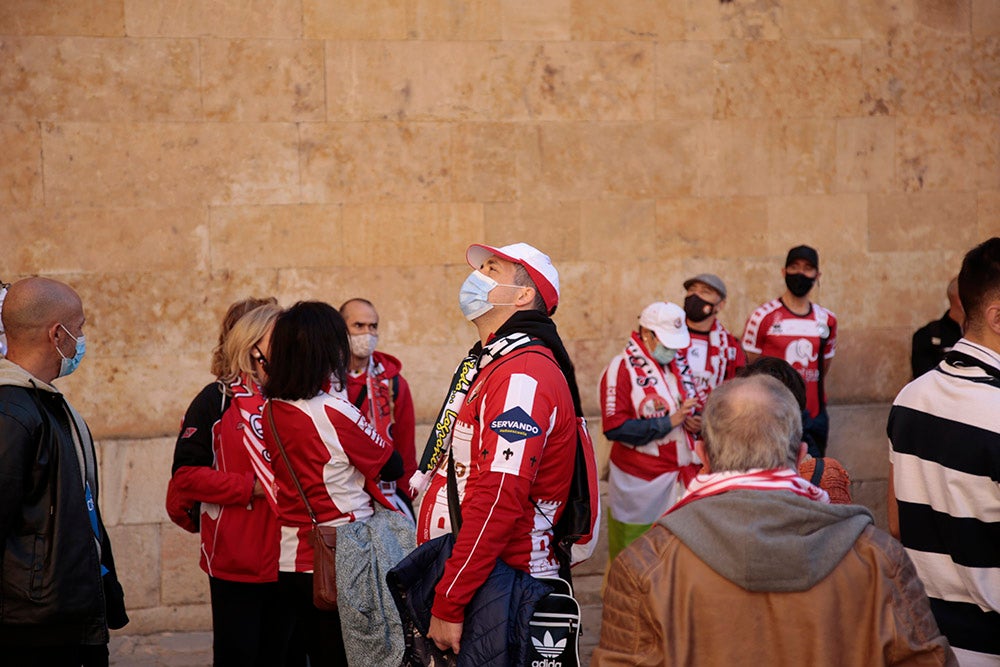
473 297
664 355
69 364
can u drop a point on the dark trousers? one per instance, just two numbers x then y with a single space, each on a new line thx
306 630
55 656
244 616
815 432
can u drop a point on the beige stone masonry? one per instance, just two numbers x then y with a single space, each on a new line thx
167 157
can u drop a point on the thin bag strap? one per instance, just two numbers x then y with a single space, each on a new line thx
288 465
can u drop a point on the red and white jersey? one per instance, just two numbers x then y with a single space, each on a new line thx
713 357
514 443
774 331
337 457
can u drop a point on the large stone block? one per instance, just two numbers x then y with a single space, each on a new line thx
858 440
555 228
20 171
627 20
985 73
611 160
871 365
550 81
375 162
417 305
950 16
866 151
613 230
873 494
732 158
904 222
489 159
958 153
170 164
836 225
444 19
95 18
685 80
989 215
181 618
525 20
216 18
918 73
134 476
625 291
985 18
711 228
255 80
843 19
137 562
579 314
390 80
89 79
182 581
423 234
105 240
708 21
787 79
803 157
271 236
347 20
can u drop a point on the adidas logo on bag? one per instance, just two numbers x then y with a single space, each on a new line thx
555 631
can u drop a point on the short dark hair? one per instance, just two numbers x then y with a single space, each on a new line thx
308 348
979 281
523 279
780 370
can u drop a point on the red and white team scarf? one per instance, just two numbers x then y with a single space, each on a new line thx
439 441
378 404
249 403
720 355
651 395
777 479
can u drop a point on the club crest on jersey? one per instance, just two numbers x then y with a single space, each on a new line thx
515 424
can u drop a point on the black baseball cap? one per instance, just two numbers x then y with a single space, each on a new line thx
803 252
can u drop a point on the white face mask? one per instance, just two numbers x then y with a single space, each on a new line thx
362 345
473 297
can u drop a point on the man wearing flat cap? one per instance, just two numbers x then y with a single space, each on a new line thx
509 426
802 333
714 354
647 399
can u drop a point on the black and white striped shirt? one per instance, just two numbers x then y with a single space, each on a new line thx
944 429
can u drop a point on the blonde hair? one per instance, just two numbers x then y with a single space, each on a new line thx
220 364
242 337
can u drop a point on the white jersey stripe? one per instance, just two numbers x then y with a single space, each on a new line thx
958 494
945 580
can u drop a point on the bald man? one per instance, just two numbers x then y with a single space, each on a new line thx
59 593
935 339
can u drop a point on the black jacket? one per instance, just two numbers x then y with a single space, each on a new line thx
51 588
931 342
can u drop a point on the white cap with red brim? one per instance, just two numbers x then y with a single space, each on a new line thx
535 262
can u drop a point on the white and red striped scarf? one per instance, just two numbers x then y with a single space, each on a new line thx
249 403
719 356
650 379
777 479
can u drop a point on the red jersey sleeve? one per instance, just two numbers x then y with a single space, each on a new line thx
831 344
364 447
404 427
616 396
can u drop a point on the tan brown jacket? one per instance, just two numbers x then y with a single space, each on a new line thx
664 605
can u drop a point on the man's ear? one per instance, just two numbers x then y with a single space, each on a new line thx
699 449
803 452
526 298
993 317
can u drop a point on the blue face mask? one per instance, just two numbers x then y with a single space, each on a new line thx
664 355
69 364
473 297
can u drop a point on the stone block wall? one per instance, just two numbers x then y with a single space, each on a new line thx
167 158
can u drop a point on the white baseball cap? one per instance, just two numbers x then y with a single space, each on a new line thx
666 320
536 263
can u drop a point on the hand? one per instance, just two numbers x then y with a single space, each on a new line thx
677 418
258 489
446 635
692 423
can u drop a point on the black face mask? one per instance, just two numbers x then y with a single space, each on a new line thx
697 309
799 284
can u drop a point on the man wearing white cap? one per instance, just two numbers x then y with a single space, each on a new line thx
509 423
647 394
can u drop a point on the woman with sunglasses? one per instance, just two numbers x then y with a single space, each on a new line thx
222 486
320 442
